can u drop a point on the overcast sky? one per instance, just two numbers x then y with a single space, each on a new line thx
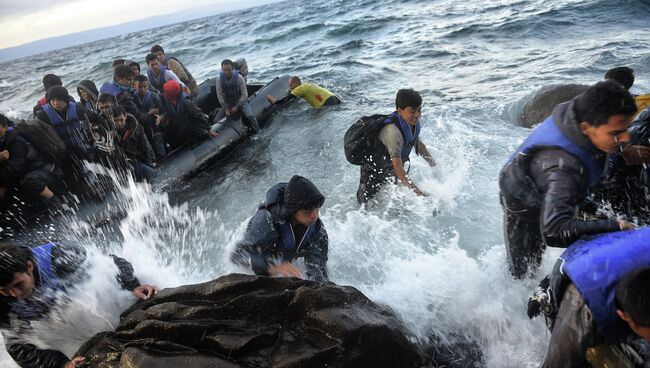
23 21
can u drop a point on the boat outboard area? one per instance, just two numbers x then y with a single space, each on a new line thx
22 214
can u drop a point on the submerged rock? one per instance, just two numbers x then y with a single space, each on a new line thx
248 321
541 106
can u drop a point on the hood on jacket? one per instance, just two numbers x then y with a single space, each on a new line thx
565 118
90 88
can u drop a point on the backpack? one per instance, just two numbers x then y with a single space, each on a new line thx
43 138
361 141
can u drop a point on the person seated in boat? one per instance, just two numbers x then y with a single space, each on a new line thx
22 166
135 67
49 80
131 138
176 66
88 94
241 66
117 62
598 295
181 121
32 282
315 95
72 122
121 89
149 102
553 171
623 75
232 95
158 74
285 227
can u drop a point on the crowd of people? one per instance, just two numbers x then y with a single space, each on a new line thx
593 145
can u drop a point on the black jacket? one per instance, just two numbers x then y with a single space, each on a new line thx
88 119
178 128
556 184
12 169
262 240
65 264
134 142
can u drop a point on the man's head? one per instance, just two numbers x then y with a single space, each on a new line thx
105 103
123 75
409 104
227 67
621 74
117 62
51 80
119 117
241 65
633 301
605 112
172 91
58 98
4 125
159 52
141 84
302 201
135 67
294 82
153 63
16 271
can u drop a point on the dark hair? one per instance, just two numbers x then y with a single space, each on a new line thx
134 63
295 79
105 97
622 75
227 62
156 48
408 98
13 258
117 62
633 296
122 72
150 57
141 78
4 121
602 100
51 80
117 110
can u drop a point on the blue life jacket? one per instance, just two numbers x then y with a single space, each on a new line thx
69 129
144 103
596 266
230 88
180 106
114 89
548 134
288 246
410 139
43 297
157 83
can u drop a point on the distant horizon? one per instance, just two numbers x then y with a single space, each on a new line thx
84 36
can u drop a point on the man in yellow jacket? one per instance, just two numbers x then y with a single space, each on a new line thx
315 95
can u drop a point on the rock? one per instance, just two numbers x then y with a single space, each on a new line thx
250 321
541 106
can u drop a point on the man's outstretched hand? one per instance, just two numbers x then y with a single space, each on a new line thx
145 291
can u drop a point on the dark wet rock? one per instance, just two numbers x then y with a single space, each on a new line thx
541 106
249 321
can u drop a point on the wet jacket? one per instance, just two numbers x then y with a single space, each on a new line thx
183 123
547 183
150 101
65 262
12 169
74 132
586 314
134 142
269 236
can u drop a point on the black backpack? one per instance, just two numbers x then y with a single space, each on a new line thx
43 138
361 141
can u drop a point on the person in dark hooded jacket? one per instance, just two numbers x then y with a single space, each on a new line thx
181 120
286 226
49 81
88 94
130 136
552 172
21 165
